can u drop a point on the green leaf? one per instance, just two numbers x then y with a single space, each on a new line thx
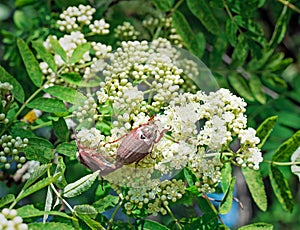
256 89
87 210
257 226
48 203
226 176
59 173
9 198
163 5
285 150
205 205
216 3
280 28
106 203
67 149
29 211
72 78
231 31
219 48
45 54
281 189
259 63
36 187
247 8
289 119
37 173
240 52
20 3
203 12
58 49
265 129
194 43
66 94
256 187
31 64
90 222
39 149
51 105
21 19
188 175
205 222
149 225
17 90
198 45
250 25
278 62
81 185
79 51
240 85
294 158
50 225
226 203
61 129
274 82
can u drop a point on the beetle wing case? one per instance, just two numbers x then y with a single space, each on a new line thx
133 148
95 161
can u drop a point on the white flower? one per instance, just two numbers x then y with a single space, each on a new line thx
247 136
254 157
99 27
90 137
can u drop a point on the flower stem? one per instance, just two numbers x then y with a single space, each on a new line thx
110 222
58 194
290 5
212 207
283 163
173 217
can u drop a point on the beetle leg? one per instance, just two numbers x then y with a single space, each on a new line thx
161 134
110 142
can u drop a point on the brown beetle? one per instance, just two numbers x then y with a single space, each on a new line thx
138 143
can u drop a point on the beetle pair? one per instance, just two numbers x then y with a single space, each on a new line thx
137 144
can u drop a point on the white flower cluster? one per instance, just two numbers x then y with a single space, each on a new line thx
208 172
143 78
68 43
99 27
126 32
250 154
101 52
88 111
154 200
150 22
5 86
172 34
72 21
10 221
11 150
73 18
148 65
90 137
168 31
5 94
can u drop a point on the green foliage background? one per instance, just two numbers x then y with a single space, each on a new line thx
252 48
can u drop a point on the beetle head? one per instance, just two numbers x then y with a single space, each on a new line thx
148 132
